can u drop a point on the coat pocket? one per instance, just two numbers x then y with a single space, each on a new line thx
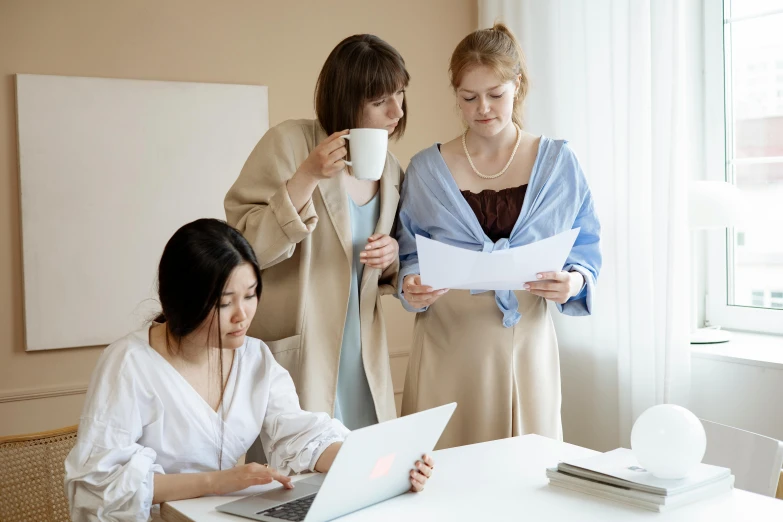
284 345
286 352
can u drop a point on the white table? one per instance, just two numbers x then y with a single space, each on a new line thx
505 480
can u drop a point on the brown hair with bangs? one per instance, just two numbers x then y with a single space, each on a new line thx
361 68
498 49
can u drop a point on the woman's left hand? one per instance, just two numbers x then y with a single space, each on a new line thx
380 252
421 473
556 286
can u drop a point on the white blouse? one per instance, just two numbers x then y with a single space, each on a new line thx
141 417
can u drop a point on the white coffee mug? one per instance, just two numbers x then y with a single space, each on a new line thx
368 152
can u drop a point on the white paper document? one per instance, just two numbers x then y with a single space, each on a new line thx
445 266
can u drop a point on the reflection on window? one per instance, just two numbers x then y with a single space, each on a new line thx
776 299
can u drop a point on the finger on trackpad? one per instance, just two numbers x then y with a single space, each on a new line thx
282 494
316 480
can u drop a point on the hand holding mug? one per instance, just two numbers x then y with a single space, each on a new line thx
327 159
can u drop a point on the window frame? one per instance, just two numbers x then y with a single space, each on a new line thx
717 136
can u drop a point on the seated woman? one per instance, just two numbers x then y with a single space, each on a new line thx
171 408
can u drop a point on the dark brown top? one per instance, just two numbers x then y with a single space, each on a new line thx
497 211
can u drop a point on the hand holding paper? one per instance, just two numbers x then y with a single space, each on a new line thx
417 294
557 287
445 266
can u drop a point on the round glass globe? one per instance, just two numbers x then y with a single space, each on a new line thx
668 440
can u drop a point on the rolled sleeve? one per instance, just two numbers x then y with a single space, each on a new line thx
581 303
109 481
295 225
258 203
387 283
585 257
295 438
406 238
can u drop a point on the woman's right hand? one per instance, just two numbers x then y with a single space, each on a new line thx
327 159
246 475
418 295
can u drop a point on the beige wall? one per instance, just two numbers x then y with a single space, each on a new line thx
281 44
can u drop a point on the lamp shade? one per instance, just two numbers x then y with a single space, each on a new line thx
669 441
715 204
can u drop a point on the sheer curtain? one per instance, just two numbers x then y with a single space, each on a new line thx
610 76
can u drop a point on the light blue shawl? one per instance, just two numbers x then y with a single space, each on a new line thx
557 199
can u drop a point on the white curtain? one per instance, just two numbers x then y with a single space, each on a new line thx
610 77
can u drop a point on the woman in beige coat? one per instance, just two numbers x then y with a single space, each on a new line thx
322 236
495 187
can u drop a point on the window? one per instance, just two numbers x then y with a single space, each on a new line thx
744 146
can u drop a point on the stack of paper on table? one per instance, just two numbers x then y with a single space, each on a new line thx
616 475
446 266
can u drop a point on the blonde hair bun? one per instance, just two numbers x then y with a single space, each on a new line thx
498 49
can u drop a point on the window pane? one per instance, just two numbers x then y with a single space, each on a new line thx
757 86
758 250
740 8
755 110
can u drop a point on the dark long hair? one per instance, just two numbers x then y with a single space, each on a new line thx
359 69
194 268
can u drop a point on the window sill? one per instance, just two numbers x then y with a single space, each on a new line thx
753 349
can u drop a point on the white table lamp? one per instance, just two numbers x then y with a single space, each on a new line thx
713 204
669 441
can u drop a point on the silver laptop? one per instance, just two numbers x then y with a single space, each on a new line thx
373 465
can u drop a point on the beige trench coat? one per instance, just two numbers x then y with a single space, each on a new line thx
306 261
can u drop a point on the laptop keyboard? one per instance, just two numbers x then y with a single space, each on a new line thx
294 510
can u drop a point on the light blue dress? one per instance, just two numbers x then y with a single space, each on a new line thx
354 405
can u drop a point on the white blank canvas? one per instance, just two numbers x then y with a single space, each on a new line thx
109 170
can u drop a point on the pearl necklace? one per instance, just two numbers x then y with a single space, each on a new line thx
513 153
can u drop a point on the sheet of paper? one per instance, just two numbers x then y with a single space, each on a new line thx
445 266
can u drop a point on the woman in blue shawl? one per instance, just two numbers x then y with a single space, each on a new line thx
494 187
